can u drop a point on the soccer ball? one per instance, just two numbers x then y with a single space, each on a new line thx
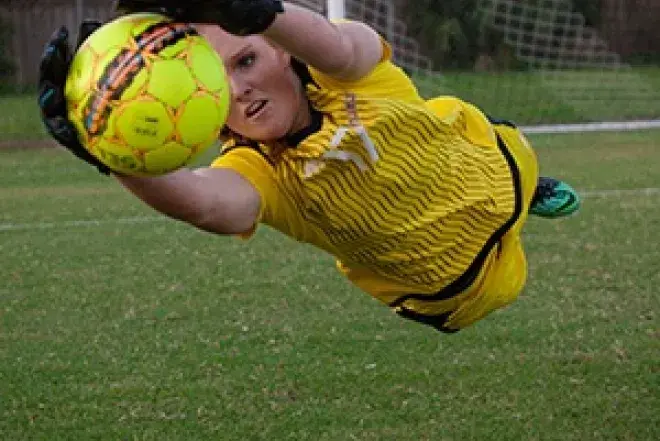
147 95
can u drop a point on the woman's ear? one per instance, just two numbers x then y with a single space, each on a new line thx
283 57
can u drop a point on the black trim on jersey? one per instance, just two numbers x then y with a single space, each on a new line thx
295 139
302 71
468 277
501 122
435 321
253 146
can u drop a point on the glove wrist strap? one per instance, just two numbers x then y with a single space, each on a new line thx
248 17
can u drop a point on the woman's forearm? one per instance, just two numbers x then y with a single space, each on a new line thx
172 194
212 199
346 50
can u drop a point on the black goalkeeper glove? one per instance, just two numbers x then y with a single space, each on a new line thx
238 17
53 70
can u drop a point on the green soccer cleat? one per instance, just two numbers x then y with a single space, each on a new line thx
554 198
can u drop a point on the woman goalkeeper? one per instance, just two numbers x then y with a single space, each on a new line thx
327 141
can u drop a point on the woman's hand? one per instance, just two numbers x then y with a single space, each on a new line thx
53 71
238 17
346 51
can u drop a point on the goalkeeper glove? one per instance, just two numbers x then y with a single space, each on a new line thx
53 70
238 17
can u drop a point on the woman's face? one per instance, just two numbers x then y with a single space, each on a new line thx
268 101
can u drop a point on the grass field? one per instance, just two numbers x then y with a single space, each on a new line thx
523 97
556 96
116 324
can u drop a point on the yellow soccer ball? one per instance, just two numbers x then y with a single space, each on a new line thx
147 95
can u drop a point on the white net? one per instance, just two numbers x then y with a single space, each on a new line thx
571 63
383 17
557 68
535 62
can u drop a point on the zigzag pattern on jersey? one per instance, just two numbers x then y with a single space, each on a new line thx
422 212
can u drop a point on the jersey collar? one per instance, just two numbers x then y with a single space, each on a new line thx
294 139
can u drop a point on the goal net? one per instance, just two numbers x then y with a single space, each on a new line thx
536 62
540 63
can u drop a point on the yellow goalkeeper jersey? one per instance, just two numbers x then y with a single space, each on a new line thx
412 196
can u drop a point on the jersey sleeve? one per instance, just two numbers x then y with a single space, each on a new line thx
253 166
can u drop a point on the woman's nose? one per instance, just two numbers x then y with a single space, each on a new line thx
240 89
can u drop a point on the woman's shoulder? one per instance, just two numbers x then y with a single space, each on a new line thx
385 80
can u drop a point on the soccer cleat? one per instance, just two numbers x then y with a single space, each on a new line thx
554 198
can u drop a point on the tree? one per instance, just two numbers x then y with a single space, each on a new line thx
451 32
456 33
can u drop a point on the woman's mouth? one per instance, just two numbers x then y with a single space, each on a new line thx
255 108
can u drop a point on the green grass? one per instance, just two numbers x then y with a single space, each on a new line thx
555 96
523 97
20 117
151 330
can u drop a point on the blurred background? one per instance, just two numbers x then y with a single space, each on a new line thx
531 61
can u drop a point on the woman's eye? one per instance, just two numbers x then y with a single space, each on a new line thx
247 60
